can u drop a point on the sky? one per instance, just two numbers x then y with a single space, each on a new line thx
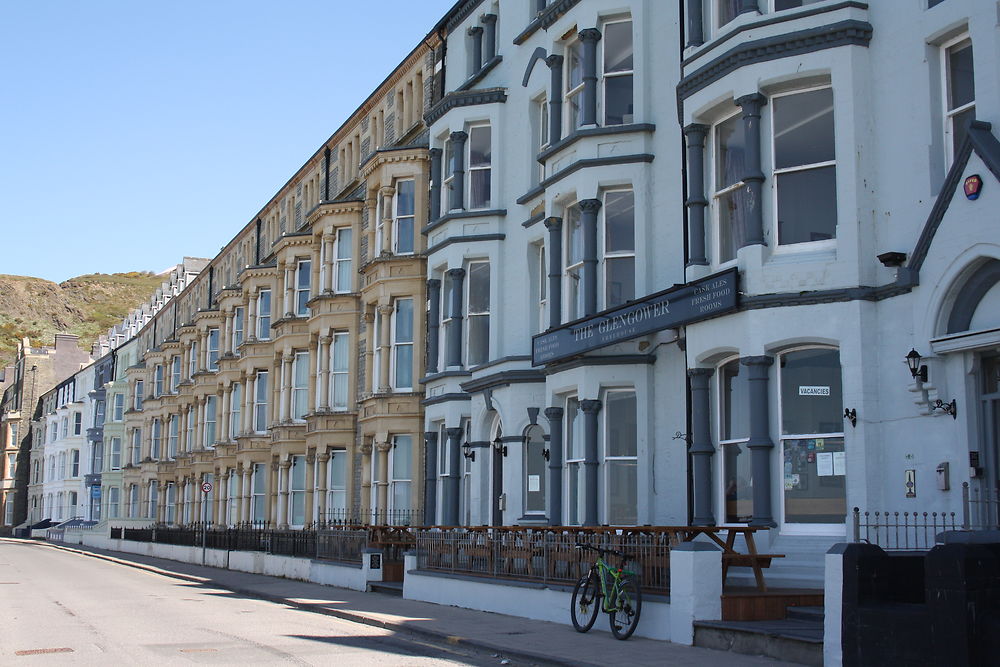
136 132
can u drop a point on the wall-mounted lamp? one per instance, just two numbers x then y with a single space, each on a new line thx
852 415
545 454
917 370
892 259
468 452
947 408
499 446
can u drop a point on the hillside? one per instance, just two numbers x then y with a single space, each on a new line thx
86 306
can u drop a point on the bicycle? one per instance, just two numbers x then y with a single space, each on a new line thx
615 590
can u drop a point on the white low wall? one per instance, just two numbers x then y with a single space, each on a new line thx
342 575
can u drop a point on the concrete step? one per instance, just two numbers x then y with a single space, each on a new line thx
394 588
815 614
791 640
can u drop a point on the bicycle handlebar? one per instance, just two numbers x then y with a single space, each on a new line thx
621 554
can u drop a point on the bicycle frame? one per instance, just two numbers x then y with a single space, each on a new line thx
617 574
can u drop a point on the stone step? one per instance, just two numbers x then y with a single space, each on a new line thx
394 588
815 614
790 640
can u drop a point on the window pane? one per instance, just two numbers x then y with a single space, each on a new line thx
811 392
404 366
402 457
480 186
400 496
404 198
814 480
961 83
621 420
404 320
574 66
619 228
803 128
535 471
733 209
622 495
620 276
960 127
344 243
574 250
728 10
730 150
739 483
404 235
618 47
340 352
479 287
479 339
735 405
807 205
618 105
479 146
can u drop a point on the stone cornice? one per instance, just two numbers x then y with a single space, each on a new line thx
466 98
391 155
341 207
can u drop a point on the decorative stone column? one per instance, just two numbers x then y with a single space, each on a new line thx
754 177
555 417
271 496
366 476
457 202
251 324
554 225
385 346
371 382
227 334
454 334
450 501
590 408
284 408
382 483
588 223
760 444
589 37
490 36
246 494
324 373
223 429
248 400
329 236
555 63
433 324
476 62
696 23
436 176
200 423
430 477
289 286
701 448
310 489
386 193
283 468
696 201
321 488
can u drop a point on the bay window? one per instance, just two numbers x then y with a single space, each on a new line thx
403 217
239 319
259 489
175 373
264 314
574 84
155 436
193 359
300 385
342 260
805 172
170 503
402 344
303 279
960 93
158 380
480 166
153 507
618 73
400 476
448 182
478 313
619 247
136 446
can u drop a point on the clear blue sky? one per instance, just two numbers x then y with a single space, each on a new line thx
135 132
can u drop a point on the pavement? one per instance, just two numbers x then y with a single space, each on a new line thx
519 640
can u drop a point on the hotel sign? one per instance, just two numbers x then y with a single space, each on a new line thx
669 309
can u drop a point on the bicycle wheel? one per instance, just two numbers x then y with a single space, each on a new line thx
586 603
624 615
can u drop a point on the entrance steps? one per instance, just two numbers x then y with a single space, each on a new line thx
394 588
802 567
796 638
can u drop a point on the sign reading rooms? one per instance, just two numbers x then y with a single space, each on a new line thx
669 309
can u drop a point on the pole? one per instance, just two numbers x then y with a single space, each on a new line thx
204 524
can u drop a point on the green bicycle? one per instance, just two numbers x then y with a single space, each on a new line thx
615 590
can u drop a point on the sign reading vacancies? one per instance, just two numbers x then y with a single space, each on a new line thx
671 308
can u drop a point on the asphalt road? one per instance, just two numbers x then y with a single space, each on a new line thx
58 607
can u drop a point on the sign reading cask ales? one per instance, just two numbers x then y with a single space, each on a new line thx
671 308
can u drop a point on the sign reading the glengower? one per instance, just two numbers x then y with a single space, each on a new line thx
671 308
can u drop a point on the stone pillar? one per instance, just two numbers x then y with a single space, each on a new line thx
283 468
321 477
203 352
451 497
246 494
366 476
324 373
760 439
457 202
223 496
385 347
453 341
371 205
227 334
430 477
200 423
433 324
386 194
590 409
696 23
754 178
695 588
555 63
476 62
251 323
382 483
223 428
554 225
555 417
490 36
248 399
271 498
589 37
588 223
701 448
696 201
310 486
285 400
328 238
436 177
289 285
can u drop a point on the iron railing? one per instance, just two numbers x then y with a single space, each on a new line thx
357 516
981 508
543 555
902 531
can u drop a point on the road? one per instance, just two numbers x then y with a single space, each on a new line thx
58 607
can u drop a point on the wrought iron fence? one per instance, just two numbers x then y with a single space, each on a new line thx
356 516
543 555
902 531
344 545
981 508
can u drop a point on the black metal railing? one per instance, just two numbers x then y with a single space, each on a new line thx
356 516
981 508
902 531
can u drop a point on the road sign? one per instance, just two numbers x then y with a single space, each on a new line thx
206 487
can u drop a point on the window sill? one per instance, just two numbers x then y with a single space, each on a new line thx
444 374
483 71
583 133
459 215
810 251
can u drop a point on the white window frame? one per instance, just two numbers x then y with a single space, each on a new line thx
543 482
572 507
720 413
137 397
572 94
542 293
211 415
193 359
175 373
336 493
606 75
74 462
78 420
258 479
448 180
158 380
343 251
607 255
300 386
235 409
470 169
264 321
397 218
399 345
949 114
117 411
469 314
170 503
303 286
572 270
155 438
136 446
607 459
295 492
115 455
239 323
396 481
720 191
153 498
212 350
338 402
260 406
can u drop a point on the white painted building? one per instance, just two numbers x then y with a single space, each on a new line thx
64 458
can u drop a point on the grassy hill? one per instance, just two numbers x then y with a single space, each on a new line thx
86 306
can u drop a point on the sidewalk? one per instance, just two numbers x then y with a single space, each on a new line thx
516 638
